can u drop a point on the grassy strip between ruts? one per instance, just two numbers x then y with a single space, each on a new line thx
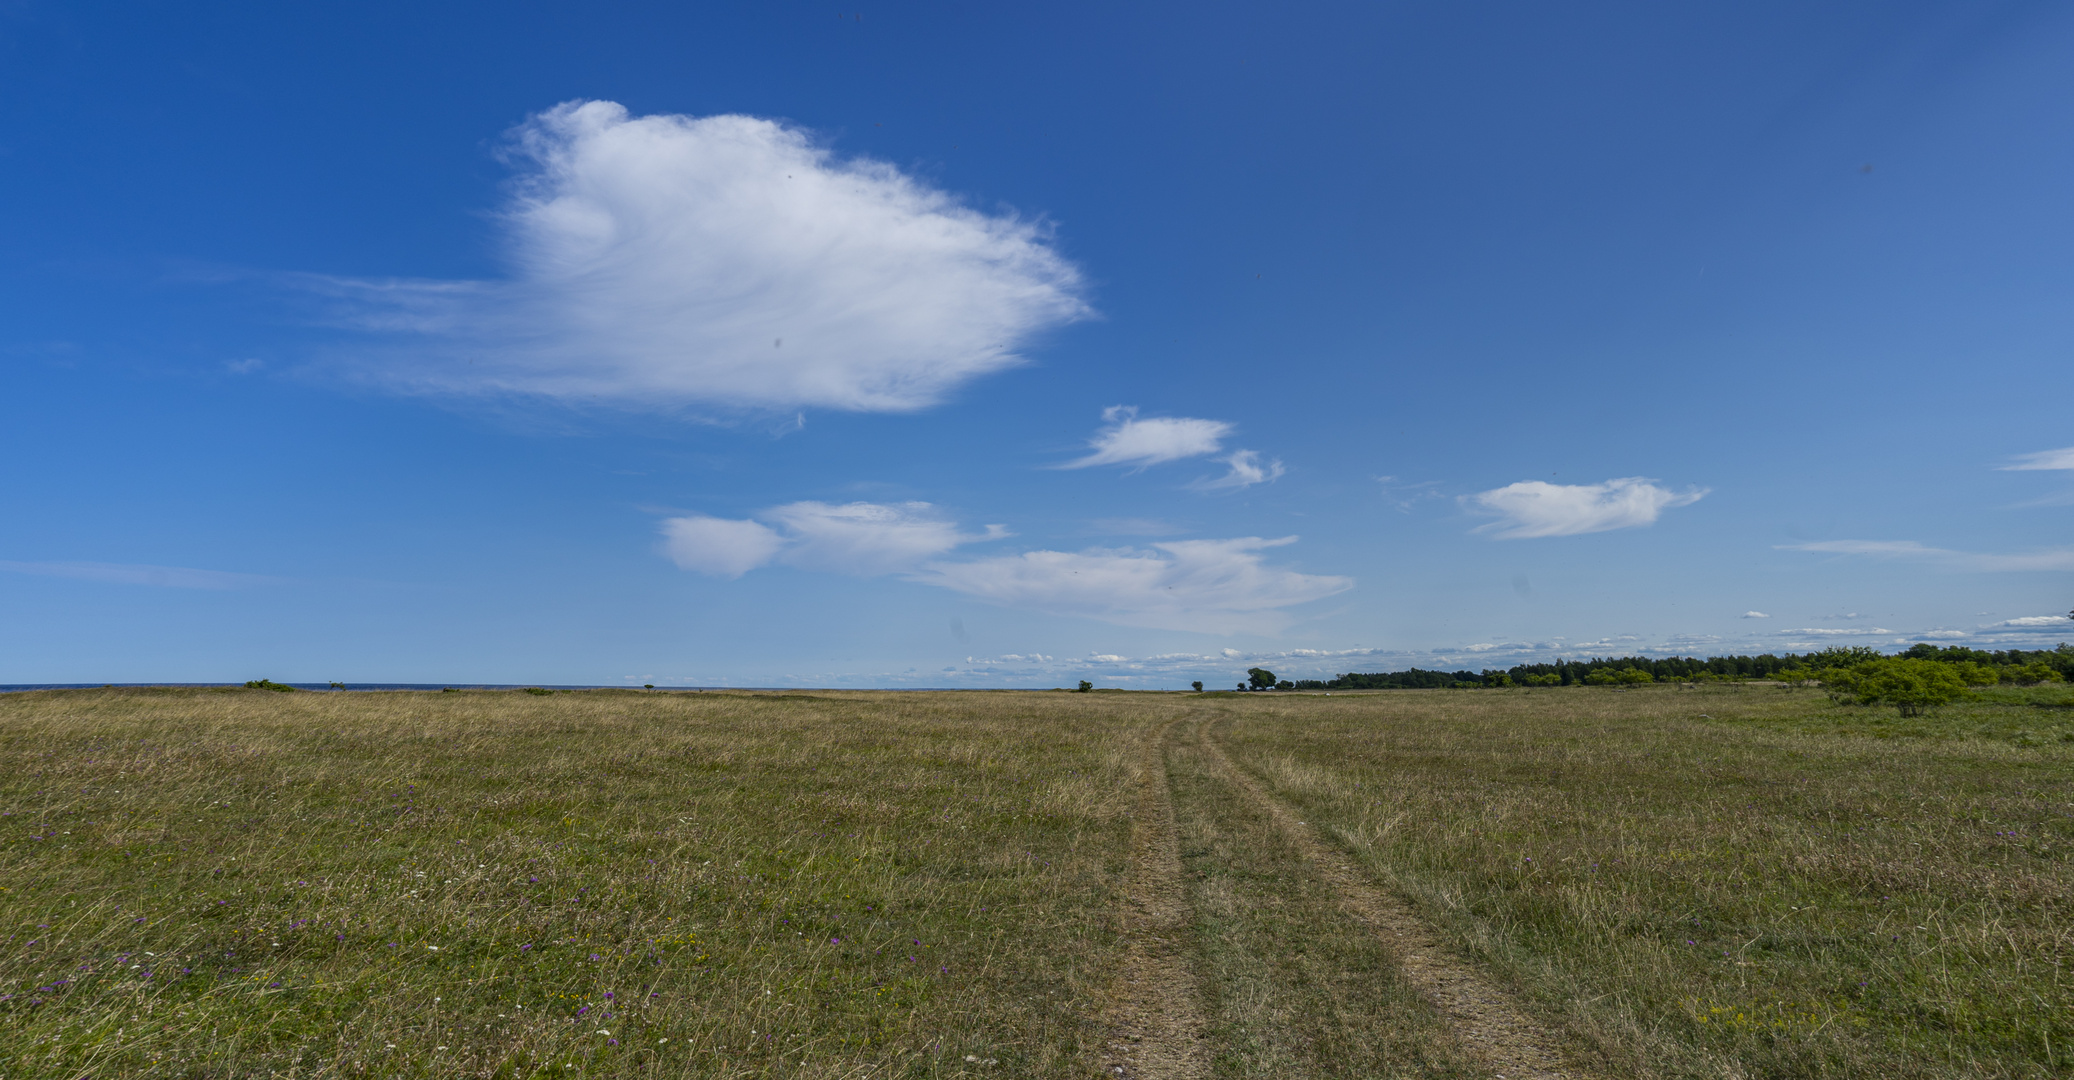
1710 883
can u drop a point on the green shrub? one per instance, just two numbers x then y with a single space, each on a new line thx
1909 685
1619 677
268 684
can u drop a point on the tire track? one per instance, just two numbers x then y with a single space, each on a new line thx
1486 1020
1157 1030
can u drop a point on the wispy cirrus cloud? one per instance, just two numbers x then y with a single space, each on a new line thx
860 538
1245 469
669 261
2045 559
164 577
1215 586
1218 586
721 547
1536 508
2042 460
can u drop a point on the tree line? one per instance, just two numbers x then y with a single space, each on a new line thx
1974 667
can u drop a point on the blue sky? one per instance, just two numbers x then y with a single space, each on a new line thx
973 344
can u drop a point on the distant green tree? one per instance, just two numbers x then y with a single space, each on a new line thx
1198 684
2031 674
1086 686
268 684
1842 656
1260 678
1285 684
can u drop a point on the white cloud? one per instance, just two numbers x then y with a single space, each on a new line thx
166 577
665 261
1535 508
1246 470
1218 586
720 546
1862 631
1128 440
853 538
864 538
1755 615
2034 621
2047 559
1942 634
2044 459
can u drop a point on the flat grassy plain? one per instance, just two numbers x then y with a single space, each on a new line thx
1723 882
1681 883
605 883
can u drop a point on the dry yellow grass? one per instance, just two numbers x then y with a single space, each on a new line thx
1760 892
249 883
245 883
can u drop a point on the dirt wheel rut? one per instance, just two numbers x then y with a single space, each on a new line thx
1487 1020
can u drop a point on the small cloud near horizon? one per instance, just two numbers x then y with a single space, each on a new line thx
2033 621
2045 559
1209 586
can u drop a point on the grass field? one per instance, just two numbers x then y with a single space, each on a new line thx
1673 883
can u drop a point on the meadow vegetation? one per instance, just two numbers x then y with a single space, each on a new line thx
608 883
1721 881
1684 881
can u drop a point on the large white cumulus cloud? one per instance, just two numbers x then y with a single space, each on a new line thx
663 261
